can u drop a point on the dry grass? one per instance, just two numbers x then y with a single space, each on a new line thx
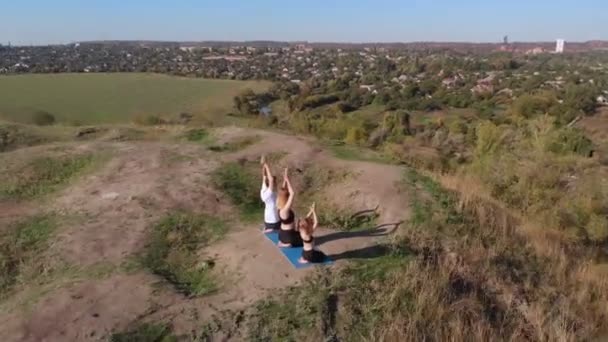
569 267
464 271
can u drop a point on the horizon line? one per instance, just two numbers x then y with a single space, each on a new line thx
307 42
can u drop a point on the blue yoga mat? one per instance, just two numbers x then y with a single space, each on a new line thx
293 254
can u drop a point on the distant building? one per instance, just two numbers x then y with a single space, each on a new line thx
559 46
368 87
535 51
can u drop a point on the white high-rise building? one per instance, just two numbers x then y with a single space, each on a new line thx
559 46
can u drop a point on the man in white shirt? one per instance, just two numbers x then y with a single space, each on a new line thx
269 197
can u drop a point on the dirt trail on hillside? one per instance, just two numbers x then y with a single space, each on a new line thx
142 182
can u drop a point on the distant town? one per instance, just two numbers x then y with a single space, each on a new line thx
420 76
247 60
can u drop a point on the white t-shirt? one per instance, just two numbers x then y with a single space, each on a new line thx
271 213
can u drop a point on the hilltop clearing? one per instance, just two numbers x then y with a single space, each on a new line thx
98 277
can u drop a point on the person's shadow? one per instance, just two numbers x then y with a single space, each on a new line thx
369 252
381 230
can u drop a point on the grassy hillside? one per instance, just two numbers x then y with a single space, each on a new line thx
114 98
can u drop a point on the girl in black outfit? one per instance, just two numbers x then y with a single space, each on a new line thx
307 227
288 236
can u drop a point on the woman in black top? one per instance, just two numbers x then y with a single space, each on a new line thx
288 236
307 227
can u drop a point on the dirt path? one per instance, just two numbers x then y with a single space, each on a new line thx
145 180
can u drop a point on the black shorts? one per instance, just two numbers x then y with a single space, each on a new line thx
273 226
313 256
290 237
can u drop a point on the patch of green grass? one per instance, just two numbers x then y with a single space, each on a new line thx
236 145
212 327
42 175
354 153
14 136
196 135
442 201
310 312
293 315
367 295
145 333
172 252
241 186
21 251
117 97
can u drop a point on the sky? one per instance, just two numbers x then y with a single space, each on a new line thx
63 21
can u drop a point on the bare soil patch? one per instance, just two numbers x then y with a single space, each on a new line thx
145 180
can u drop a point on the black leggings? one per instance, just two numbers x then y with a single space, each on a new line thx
290 237
313 256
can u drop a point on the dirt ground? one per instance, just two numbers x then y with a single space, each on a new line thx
117 204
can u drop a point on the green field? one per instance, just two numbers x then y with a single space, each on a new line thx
115 98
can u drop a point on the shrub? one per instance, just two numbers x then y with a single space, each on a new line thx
571 140
528 106
43 118
147 119
315 101
355 136
489 139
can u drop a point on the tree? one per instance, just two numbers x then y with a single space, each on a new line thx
529 106
246 102
581 98
43 118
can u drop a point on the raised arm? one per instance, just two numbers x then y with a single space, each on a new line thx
269 177
315 220
285 178
292 194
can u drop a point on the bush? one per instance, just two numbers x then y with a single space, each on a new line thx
147 120
42 118
355 136
317 101
571 140
489 139
528 106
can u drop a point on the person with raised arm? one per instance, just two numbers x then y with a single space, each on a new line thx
307 227
269 197
288 236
